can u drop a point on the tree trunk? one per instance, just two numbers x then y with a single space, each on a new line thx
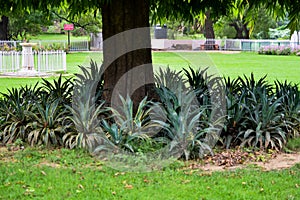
238 29
242 32
246 31
127 58
209 32
4 28
209 28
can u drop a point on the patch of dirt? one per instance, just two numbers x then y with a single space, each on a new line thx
226 160
231 160
49 164
282 161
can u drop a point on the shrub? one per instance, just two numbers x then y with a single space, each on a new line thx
85 130
14 108
34 114
275 50
46 124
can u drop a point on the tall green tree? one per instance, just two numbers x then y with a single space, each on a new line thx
124 52
30 23
4 27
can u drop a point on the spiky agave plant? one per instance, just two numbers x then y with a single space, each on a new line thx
46 124
290 106
13 108
86 131
128 129
59 89
265 127
169 79
209 91
250 86
199 80
91 75
86 110
183 123
235 119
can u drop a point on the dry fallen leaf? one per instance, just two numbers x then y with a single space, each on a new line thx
296 185
113 193
185 181
146 181
127 186
44 173
80 187
119 173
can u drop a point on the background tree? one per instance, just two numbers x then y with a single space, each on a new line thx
263 22
90 22
244 24
4 27
31 23
123 15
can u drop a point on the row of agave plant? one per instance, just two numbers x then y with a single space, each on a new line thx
196 111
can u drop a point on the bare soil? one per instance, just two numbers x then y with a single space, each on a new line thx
228 160
277 161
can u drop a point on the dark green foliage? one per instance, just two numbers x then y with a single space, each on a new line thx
13 111
60 89
290 106
34 114
185 122
201 82
86 110
128 130
46 124
264 127
260 114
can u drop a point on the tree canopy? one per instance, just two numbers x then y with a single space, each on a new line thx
120 56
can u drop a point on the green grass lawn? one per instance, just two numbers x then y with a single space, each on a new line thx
73 174
233 65
53 36
67 174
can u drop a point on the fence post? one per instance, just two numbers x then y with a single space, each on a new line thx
1 60
64 58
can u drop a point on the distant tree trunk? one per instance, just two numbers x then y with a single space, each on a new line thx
246 31
209 28
124 53
242 31
4 28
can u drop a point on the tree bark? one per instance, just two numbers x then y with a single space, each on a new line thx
4 28
126 48
242 32
246 31
238 29
209 28
209 32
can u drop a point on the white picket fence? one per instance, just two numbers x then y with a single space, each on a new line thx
44 61
10 61
76 45
223 44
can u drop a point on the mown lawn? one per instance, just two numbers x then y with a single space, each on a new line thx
233 65
74 174
67 174
222 64
51 36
